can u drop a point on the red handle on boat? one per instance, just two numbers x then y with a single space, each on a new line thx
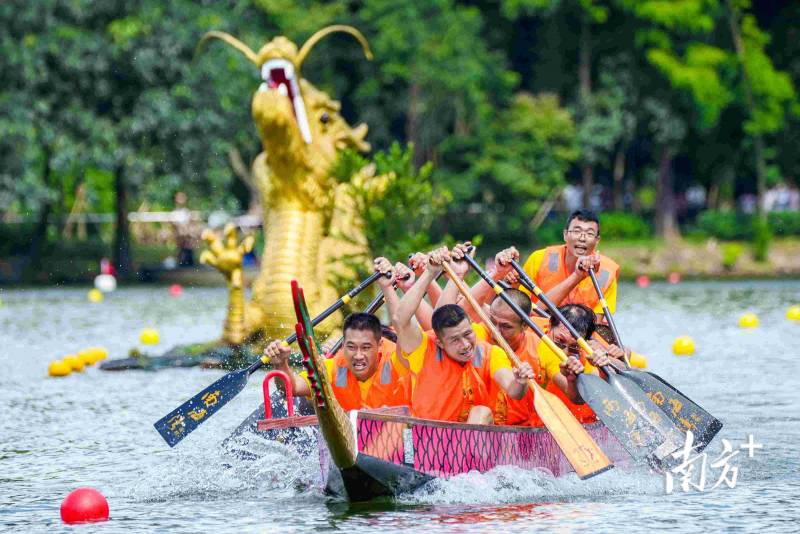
289 396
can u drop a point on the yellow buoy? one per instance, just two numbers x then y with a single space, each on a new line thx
99 353
93 355
149 336
793 313
87 356
637 360
75 363
58 368
95 295
683 346
748 320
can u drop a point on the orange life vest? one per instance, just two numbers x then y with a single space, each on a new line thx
553 271
446 390
508 411
385 388
582 412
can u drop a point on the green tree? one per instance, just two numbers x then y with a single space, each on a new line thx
113 88
766 95
520 167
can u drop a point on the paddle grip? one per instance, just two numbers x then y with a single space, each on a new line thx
437 276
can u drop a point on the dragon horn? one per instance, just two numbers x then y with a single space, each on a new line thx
231 40
317 37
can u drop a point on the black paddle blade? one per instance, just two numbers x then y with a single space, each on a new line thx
672 438
643 440
680 409
181 421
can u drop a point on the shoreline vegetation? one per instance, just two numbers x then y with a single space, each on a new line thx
692 258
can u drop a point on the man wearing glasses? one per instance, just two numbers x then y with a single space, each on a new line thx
562 271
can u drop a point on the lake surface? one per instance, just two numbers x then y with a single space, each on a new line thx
95 428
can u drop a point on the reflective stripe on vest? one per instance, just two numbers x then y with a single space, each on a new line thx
477 360
602 279
386 373
552 262
341 377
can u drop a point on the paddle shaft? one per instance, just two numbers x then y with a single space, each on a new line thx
533 288
606 311
514 306
538 311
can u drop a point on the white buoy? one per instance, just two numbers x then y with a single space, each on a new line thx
105 282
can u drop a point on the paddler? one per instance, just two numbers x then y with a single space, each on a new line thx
451 371
363 374
582 318
562 271
551 372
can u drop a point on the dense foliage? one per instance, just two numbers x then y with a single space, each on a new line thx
508 101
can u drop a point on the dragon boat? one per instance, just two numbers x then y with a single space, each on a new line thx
386 452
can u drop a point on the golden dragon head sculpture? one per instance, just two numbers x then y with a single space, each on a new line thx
311 222
300 127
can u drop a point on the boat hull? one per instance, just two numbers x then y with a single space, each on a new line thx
398 453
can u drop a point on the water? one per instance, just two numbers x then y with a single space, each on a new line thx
95 428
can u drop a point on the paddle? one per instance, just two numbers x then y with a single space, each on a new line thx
538 311
585 456
684 412
181 421
627 412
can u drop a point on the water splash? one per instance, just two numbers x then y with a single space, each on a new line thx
249 466
508 484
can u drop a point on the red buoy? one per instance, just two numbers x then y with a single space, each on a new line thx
84 505
674 278
642 280
175 290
